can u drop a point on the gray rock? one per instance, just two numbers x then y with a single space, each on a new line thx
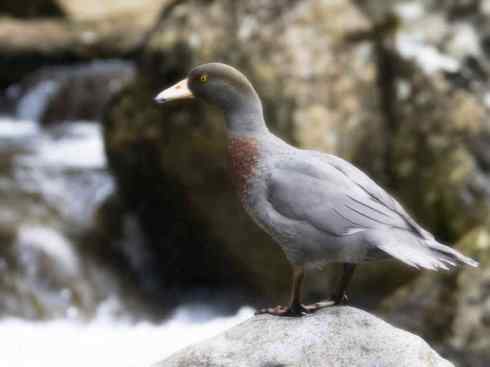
337 336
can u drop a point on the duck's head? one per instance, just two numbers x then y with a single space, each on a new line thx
217 84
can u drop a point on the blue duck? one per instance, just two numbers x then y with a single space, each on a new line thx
319 208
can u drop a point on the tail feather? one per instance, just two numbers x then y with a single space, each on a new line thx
418 252
452 254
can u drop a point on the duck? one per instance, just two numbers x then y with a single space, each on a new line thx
319 208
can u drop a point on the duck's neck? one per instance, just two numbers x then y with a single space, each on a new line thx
244 132
247 120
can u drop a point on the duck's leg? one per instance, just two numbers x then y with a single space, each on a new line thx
295 308
340 297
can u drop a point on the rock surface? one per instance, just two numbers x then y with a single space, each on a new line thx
337 336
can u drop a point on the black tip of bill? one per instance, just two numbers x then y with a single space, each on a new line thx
159 100
176 91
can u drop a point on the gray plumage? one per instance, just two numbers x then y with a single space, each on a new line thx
319 208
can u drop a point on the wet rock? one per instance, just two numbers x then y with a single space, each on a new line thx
337 336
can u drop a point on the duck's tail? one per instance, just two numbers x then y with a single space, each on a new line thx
418 252
449 254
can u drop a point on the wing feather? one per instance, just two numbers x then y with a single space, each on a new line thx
374 190
327 199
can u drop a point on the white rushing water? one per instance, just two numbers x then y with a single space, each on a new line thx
66 164
105 341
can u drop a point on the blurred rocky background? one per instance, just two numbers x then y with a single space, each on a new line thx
106 196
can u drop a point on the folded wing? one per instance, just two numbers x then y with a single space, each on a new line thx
329 200
335 197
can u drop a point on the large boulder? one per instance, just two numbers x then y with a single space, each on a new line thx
337 336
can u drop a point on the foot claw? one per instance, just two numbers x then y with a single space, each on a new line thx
278 311
298 311
319 305
303 310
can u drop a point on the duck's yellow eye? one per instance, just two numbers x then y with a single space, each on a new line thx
204 78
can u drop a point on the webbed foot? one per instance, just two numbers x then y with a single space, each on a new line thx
290 311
